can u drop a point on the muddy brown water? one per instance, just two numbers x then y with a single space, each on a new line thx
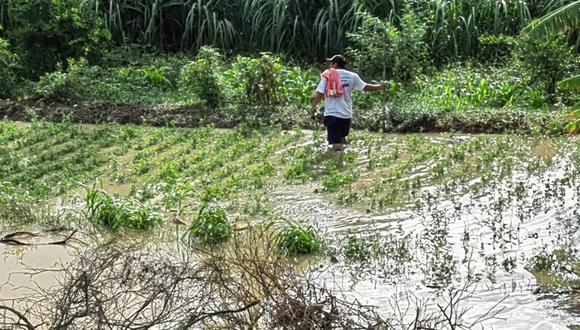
27 270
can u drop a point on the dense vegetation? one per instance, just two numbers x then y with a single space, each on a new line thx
452 62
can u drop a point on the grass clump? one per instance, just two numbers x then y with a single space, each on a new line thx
295 239
211 224
116 214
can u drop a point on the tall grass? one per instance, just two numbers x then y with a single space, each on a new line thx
314 28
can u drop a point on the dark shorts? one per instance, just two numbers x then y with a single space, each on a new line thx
337 129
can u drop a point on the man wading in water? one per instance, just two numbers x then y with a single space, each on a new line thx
335 88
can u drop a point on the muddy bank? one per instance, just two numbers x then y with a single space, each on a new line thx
398 121
103 112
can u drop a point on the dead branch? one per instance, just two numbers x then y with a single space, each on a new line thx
20 318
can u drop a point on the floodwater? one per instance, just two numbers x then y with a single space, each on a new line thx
481 241
29 269
478 233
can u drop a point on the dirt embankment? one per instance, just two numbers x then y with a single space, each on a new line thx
98 113
553 123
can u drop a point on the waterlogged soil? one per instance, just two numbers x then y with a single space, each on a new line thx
447 230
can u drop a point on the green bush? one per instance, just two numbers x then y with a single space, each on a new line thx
373 47
211 225
411 50
202 77
294 239
460 87
115 214
48 32
297 86
75 84
261 78
496 48
151 83
545 62
7 69
382 51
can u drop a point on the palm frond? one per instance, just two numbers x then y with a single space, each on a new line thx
561 20
572 83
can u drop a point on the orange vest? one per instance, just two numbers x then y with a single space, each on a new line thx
333 84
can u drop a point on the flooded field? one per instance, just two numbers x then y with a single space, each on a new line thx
432 231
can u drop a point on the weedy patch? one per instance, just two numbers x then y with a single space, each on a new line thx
295 239
211 225
115 214
359 248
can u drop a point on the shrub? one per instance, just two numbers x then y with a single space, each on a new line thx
373 47
545 62
462 86
155 76
115 214
67 85
496 48
201 77
47 32
261 78
211 224
382 51
297 86
294 239
7 69
411 50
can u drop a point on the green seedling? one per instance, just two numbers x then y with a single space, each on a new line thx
295 239
211 224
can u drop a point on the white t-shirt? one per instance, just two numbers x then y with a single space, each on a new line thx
341 107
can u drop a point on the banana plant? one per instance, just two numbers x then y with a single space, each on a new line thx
562 20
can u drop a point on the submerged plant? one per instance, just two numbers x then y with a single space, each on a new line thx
359 248
294 239
211 224
115 214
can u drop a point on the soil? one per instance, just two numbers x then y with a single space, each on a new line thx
199 115
104 112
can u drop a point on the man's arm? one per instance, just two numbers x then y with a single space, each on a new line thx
318 97
378 87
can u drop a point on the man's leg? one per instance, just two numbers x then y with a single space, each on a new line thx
337 129
342 129
333 132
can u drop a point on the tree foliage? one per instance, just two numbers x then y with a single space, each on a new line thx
48 32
